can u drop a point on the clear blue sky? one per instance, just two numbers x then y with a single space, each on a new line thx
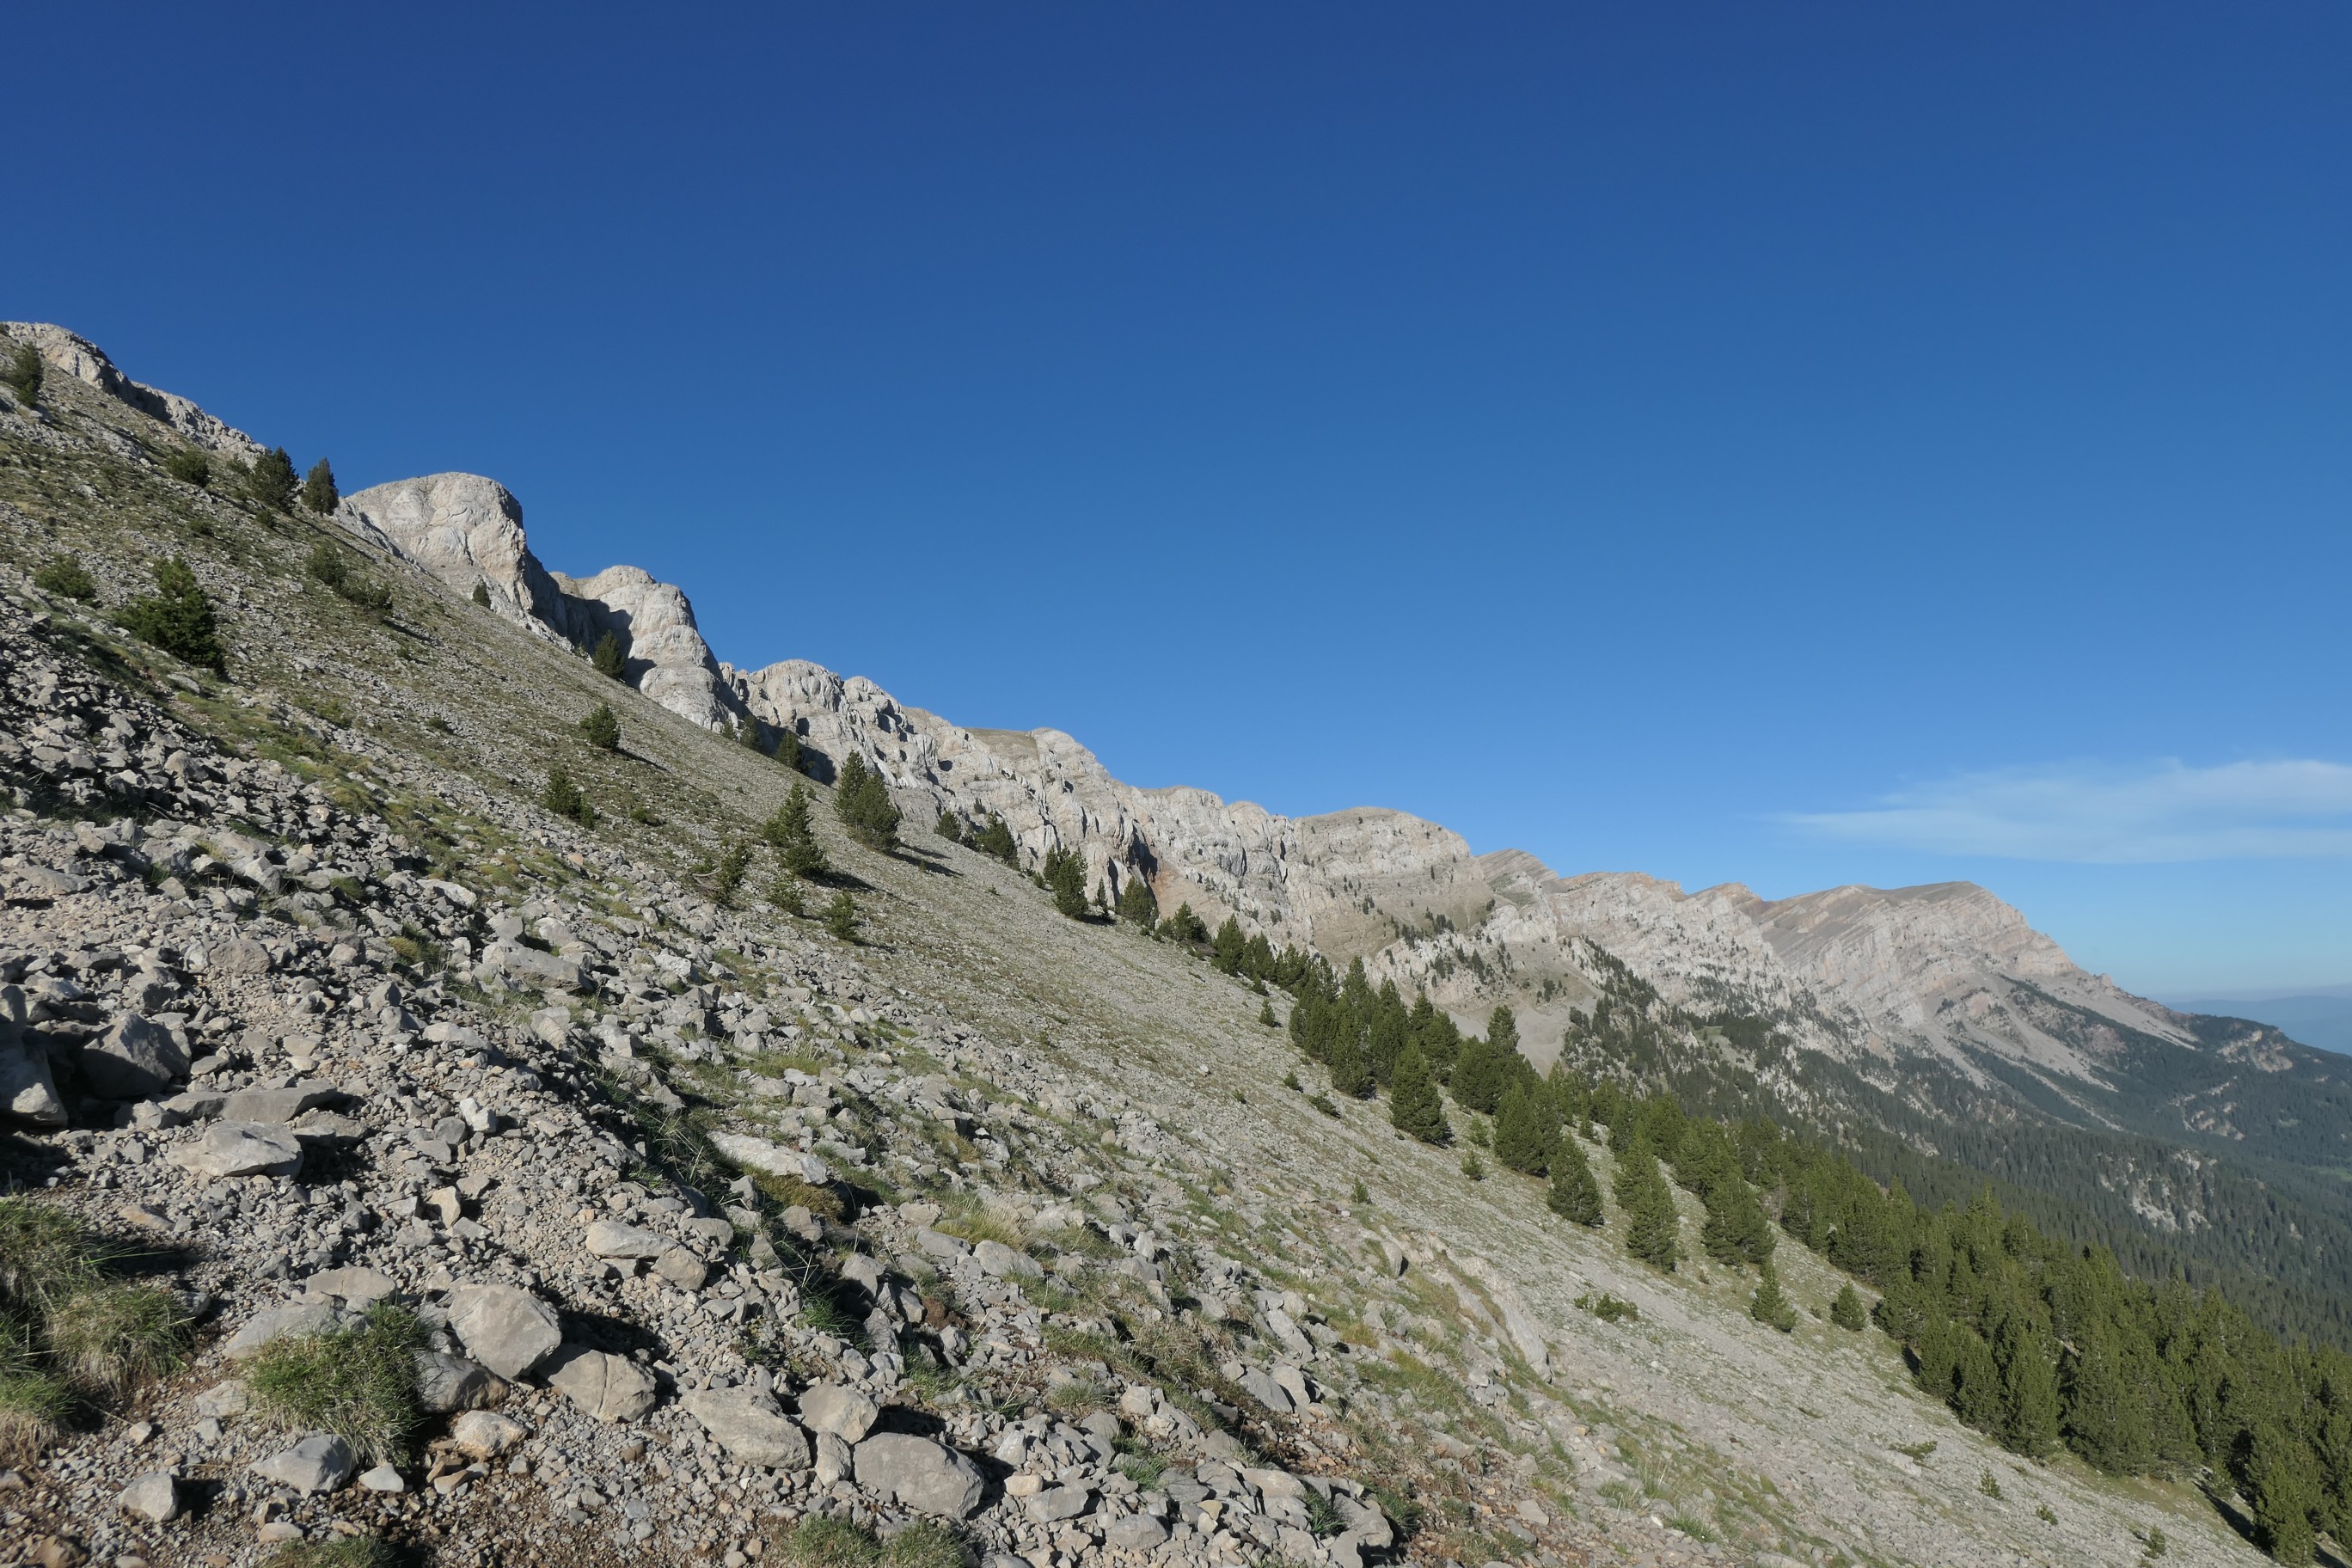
1794 445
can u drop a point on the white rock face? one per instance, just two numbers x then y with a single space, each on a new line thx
466 530
77 356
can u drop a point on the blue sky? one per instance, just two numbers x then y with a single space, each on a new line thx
1789 444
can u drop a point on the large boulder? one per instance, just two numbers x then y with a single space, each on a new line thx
527 966
750 1425
759 1154
610 1239
241 1149
917 1473
607 1387
136 1059
506 1328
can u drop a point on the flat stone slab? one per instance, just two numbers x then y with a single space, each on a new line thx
749 1425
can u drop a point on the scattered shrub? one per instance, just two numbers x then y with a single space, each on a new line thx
610 657
359 1384
1846 1310
793 837
1322 1102
602 728
841 916
189 465
785 893
318 492
67 577
727 882
1989 1487
996 841
332 568
1474 1167
482 595
25 373
178 618
566 800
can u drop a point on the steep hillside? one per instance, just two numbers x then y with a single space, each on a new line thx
687 1219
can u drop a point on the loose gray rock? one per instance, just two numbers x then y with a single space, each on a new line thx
382 1478
749 1425
484 1434
609 1388
241 1149
238 955
317 1464
506 1328
154 1496
135 1059
1135 1533
27 1090
274 1105
840 1410
1055 1503
359 1289
448 1384
300 1321
530 967
998 1260
610 1239
917 1473
682 1268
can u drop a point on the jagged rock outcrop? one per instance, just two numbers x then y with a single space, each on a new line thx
77 356
466 531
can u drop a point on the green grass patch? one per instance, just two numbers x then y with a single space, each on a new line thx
359 1384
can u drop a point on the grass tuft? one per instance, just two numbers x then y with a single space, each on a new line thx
113 1337
359 1384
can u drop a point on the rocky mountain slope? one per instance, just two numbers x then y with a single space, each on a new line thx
712 1222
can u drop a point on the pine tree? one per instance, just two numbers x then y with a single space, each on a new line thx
1526 1128
785 893
950 827
272 483
67 577
863 803
1770 1304
602 728
482 595
565 798
1137 907
997 840
1265 1014
609 657
2105 1417
1184 926
793 836
318 492
1481 1075
1846 1311
1352 1075
1225 951
841 916
728 880
2029 1387
1653 1233
1065 879
1736 1231
788 747
1415 1108
2275 1471
1574 1195
189 465
747 735
178 618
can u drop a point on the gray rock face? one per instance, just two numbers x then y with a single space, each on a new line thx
154 1496
749 1425
467 529
838 1409
78 357
917 1473
135 1059
317 1464
241 1149
508 1330
608 1388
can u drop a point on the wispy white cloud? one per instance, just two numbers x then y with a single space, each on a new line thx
2161 811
